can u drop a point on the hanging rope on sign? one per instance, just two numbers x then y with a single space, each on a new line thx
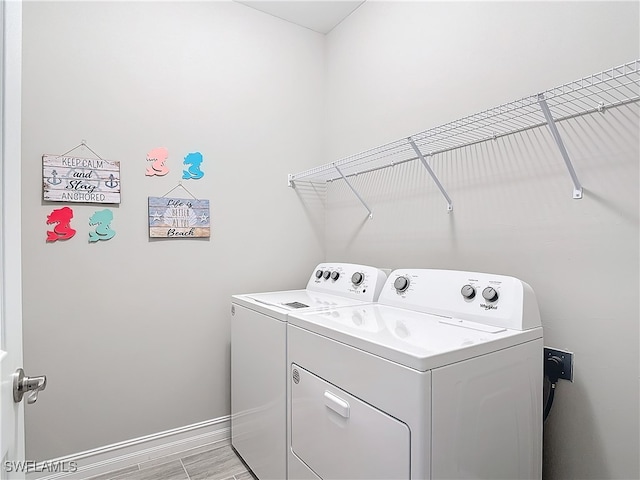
81 144
179 185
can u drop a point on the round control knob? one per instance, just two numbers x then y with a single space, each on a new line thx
468 292
318 273
490 294
335 275
401 284
326 274
357 278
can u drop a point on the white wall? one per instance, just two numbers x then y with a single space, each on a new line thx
397 68
133 334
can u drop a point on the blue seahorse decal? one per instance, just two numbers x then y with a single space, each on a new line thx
193 160
103 231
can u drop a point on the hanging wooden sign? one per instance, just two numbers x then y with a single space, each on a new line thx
178 218
82 180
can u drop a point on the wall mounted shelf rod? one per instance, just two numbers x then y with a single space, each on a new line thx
354 190
577 187
432 173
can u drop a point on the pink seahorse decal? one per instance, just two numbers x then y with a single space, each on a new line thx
158 156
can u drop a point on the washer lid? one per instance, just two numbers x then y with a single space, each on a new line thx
417 340
280 304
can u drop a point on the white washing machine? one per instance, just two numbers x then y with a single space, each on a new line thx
259 360
441 379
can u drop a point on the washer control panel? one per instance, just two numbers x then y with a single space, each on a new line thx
490 299
357 281
357 278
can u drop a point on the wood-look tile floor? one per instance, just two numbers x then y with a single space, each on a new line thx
210 462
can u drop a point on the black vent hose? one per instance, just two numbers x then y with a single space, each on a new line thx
547 407
552 370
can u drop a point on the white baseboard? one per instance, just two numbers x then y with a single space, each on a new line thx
131 452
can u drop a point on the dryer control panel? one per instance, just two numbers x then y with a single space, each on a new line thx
485 298
361 282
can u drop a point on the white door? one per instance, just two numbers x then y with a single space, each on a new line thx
11 413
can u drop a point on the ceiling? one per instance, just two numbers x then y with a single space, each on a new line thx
319 16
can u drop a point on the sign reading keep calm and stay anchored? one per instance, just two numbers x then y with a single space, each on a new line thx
83 180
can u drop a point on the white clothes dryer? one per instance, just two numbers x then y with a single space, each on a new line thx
441 379
259 360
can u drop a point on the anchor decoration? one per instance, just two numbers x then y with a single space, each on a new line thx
102 220
111 183
54 180
159 157
193 161
62 218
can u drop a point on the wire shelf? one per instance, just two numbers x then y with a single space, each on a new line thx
595 93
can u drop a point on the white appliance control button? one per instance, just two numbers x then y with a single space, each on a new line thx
326 274
335 275
401 284
357 278
318 273
468 292
490 294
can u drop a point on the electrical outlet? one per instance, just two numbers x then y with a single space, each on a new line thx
567 361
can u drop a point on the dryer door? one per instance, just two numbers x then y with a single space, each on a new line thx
339 436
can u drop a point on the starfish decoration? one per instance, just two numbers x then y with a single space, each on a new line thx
156 216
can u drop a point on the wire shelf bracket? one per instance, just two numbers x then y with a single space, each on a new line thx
432 173
355 192
577 187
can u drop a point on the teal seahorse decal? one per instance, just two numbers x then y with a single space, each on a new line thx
102 219
193 160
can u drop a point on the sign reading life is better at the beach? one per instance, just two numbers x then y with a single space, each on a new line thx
178 218
74 179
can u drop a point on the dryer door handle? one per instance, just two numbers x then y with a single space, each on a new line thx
337 404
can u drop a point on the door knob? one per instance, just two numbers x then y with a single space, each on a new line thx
23 384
